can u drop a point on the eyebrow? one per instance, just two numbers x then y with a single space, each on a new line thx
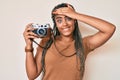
58 17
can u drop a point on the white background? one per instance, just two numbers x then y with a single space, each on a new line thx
101 64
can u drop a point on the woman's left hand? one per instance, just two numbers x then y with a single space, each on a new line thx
67 11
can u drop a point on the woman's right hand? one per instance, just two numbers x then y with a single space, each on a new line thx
29 35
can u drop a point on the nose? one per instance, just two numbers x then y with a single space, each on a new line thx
64 22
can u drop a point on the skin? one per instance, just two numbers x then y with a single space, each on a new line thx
66 27
65 19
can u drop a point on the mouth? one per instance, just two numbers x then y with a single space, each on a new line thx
66 29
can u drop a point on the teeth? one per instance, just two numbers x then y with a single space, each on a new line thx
66 29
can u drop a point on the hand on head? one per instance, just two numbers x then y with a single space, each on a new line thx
67 11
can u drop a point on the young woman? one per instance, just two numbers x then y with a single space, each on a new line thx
62 55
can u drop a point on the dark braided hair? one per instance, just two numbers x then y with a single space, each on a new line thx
78 43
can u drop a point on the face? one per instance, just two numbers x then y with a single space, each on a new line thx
65 25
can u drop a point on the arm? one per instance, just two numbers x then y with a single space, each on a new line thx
33 64
105 29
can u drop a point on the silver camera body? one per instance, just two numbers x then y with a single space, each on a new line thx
41 30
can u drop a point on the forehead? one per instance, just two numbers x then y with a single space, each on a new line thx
60 16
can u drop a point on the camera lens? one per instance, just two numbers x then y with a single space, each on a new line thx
42 32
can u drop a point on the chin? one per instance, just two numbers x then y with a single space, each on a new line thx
66 35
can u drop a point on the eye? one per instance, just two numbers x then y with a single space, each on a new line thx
59 21
68 18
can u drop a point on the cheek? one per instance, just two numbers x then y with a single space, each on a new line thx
59 25
72 22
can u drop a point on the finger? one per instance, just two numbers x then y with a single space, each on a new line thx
29 28
26 34
68 5
59 11
29 24
31 33
32 37
55 12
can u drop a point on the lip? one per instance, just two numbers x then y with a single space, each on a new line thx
66 29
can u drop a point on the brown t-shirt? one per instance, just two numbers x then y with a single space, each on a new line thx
59 67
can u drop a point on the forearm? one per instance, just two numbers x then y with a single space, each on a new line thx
99 24
31 67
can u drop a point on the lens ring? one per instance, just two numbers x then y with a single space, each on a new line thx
41 32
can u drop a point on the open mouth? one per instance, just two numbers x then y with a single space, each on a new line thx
66 29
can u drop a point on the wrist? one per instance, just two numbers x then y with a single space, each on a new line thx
29 49
29 46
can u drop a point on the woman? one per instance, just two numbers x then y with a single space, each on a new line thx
62 55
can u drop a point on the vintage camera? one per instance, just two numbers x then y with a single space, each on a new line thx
41 30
